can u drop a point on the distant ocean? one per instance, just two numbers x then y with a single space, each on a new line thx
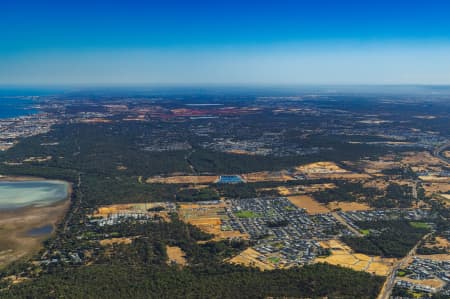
13 107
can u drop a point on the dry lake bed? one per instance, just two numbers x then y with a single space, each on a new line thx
29 210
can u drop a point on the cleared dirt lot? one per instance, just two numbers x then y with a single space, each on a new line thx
434 283
343 256
446 154
431 188
299 189
184 179
176 255
267 176
348 206
420 158
320 167
309 204
328 170
438 242
107 242
373 167
208 218
130 208
249 258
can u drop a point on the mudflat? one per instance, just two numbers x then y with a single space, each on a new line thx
19 194
17 221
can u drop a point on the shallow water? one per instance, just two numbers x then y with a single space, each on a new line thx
15 107
31 193
39 231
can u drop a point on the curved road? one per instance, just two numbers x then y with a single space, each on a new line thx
438 152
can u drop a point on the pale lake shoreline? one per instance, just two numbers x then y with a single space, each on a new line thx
16 242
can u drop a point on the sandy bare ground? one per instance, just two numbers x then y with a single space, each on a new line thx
309 204
132 208
420 158
176 255
342 255
267 176
348 206
373 167
299 189
340 176
328 170
184 179
380 184
320 167
435 257
249 258
314 170
439 242
108 242
434 179
208 218
14 241
434 283
20 178
431 188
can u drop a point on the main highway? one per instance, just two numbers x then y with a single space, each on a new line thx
438 152
389 284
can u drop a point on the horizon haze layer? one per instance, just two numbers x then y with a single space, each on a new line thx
196 43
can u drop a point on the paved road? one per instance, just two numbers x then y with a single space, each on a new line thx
187 158
76 205
342 220
389 284
438 152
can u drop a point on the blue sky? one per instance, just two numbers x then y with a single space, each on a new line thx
224 42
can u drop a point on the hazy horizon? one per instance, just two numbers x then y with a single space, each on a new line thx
232 43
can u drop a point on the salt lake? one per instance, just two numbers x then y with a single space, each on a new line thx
18 194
